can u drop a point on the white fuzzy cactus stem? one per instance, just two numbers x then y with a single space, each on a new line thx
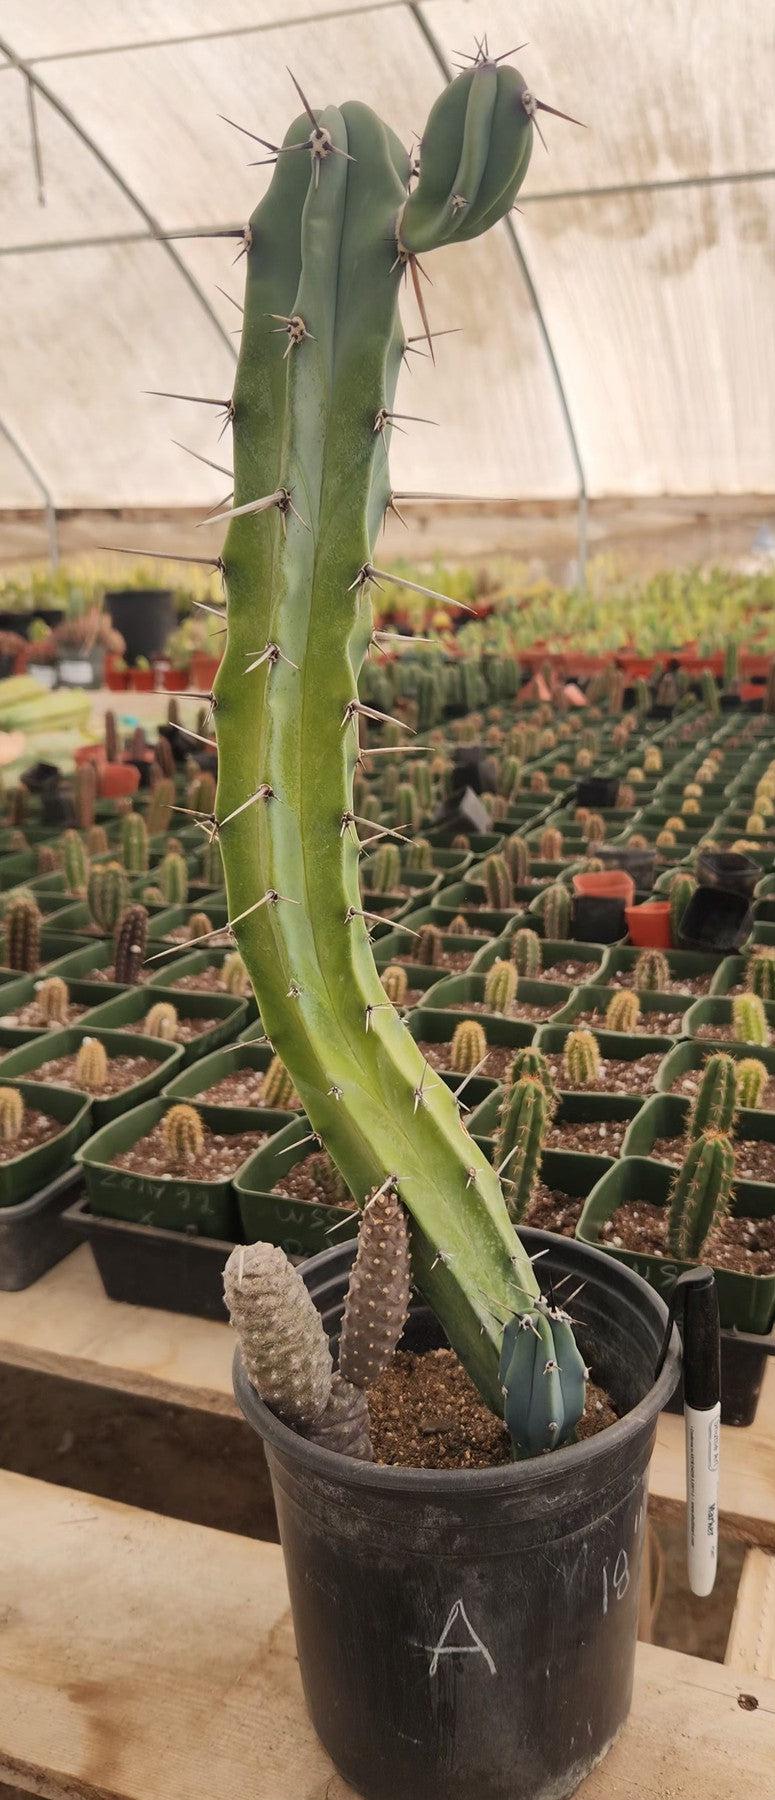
283 1343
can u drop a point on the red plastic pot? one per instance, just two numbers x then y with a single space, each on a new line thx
176 680
608 884
116 780
649 925
141 681
90 753
203 670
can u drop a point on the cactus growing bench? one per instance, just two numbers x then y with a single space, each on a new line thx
144 1658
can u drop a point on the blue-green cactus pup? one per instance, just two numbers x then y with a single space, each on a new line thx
321 348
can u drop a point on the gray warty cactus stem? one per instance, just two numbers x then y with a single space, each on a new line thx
285 1350
377 1304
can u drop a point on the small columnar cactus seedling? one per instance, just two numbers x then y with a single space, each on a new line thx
377 1304
581 1058
184 1136
749 1020
47 860
382 872
234 976
716 1101
134 843
21 930
760 974
469 1046
172 876
107 894
430 945
750 1080
500 987
201 793
395 983
153 896
525 1116
277 1089
418 856
526 953
682 887
129 943
52 1000
596 828
623 1011
96 841
84 795
550 845
498 884
458 927
199 926
701 1193
91 1065
161 1021
159 810
75 862
652 972
211 864
530 1064
555 906
11 1115
517 854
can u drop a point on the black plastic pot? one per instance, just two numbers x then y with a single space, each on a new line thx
470 1635
728 869
33 1236
144 616
597 791
715 919
598 919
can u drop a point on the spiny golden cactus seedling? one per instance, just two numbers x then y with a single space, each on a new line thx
623 1011
184 1136
11 1115
161 1021
91 1065
395 983
52 999
468 1048
277 1089
750 1081
581 1058
234 976
500 987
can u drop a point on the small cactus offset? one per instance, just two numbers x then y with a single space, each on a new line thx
760 975
11 1115
429 946
52 999
468 1048
377 1304
526 953
134 843
285 1351
623 1011
161 1021
107 894
159 809
395 982
277 1089
91 1065
500 987
172 876
581 1058
75 863
716 1101
184 1136
751 1079
382 872
517 855
525 1116
681 889
701 1193
555 906
234 976
543 1379
550 845
498 883
21 931
749 1020
652 972
129 943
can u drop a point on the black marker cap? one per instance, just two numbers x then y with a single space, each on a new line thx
701 1341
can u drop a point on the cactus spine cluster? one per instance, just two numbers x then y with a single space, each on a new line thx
701 1193
581 1058
129 943
107 894
623 1011
11 1115
749 1020
184 1135
524 1119
500 987
652 972
550 846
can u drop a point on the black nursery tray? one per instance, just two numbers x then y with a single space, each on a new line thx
145 1266
33 1234
743 1363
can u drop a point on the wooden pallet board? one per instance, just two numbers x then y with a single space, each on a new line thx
66 1326
147 1659
751 1647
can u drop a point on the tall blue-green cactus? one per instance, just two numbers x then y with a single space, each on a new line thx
322 345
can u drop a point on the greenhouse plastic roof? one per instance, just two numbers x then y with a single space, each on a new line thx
616 334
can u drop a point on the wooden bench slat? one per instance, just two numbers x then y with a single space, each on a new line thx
751 1646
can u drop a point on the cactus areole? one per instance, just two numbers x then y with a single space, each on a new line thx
322 344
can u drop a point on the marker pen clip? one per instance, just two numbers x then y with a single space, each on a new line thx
702 1414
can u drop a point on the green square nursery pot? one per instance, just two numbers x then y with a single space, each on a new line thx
483 1124
456 991
716 1009
174 1203
553 950
596 999
438 1028
195 1078
298 1227
23 1175
485 1605
228 1016
28 1057
692 1053
619 959
745 1301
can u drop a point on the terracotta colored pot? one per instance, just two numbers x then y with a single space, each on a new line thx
649 925
141 681
608 884
116 780
176 680
90 753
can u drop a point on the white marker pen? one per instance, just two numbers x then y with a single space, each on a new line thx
702 1414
